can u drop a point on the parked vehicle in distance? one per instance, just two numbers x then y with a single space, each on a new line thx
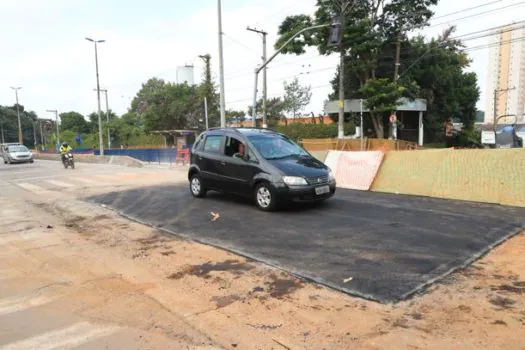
17 154
257 163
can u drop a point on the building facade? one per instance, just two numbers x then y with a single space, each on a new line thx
506 76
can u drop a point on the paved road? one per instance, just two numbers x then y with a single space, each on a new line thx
382 247
49 180
52 295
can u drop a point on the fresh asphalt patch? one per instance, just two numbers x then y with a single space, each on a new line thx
381 247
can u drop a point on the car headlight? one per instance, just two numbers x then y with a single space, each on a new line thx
294 181
331 176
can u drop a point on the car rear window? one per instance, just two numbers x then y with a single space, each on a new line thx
213 144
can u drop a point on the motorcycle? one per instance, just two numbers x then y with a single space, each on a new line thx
69 160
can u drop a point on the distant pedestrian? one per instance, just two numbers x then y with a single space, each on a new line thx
448 128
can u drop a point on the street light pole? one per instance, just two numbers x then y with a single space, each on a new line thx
105 91
100 135
20 135
264 34
221 67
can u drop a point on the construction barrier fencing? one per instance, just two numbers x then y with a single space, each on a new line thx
354 170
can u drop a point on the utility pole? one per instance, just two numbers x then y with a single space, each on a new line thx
56 122
41 135
209 87
206 112
396 78
100 136
34 135
265 93
20 134
496 93
221 67
345 5
270 59
2 126
105 91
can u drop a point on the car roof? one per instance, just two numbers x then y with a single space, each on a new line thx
245 131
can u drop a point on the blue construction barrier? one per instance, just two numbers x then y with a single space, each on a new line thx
148 155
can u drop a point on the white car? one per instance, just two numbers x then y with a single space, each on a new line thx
17 154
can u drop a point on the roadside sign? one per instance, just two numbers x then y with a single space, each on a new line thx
488 137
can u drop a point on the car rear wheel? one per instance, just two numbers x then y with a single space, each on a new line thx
196 188
264 197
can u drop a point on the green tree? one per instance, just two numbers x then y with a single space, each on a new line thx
274 108
74 121
167 106
372 26
208 89
234 116
296 97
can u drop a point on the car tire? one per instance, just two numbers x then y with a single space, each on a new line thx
196 187
264 197
31 161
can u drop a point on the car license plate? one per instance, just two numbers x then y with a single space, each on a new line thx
322 190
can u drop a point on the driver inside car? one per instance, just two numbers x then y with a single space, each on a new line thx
240 151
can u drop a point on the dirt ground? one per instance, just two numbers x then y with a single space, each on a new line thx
241 304
104 268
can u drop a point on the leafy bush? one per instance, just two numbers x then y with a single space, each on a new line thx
468 139
297 131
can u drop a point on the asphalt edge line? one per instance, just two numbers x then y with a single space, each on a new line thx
475 257
248 256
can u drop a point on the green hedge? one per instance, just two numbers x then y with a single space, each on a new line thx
298 131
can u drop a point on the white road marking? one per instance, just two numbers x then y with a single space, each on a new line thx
60 183
8 306
31 187
88 181
65 338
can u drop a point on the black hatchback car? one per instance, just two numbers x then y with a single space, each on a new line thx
258 163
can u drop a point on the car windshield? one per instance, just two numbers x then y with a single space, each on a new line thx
18 149
276 146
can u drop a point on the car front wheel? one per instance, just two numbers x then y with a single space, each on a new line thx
264 197
196 188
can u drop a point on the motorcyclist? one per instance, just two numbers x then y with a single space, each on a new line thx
64 149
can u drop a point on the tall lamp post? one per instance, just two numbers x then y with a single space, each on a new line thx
20 135
100 136
105 91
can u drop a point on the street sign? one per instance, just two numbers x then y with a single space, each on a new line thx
488 137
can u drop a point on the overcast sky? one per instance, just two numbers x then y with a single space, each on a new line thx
45 52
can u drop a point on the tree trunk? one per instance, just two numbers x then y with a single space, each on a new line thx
377 121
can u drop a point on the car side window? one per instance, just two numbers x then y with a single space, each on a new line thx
238 149
213 144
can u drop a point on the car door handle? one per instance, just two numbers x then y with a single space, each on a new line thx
221 162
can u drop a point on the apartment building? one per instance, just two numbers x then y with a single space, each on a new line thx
506 76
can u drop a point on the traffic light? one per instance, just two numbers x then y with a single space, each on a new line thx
335 34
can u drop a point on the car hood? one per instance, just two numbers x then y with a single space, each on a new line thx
304 166
21 154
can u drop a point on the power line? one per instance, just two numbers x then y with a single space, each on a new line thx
240 44
478 14
467 9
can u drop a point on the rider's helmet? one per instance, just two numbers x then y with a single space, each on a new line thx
64 144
